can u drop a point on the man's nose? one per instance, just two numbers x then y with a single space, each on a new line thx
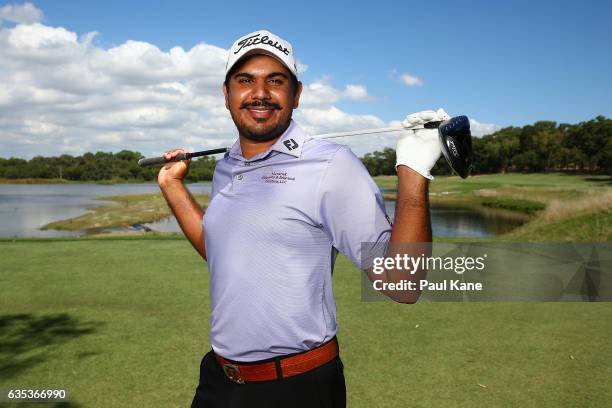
260 90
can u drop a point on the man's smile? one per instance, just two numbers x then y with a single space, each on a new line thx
263 110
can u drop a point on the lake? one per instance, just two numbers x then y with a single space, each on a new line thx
24 208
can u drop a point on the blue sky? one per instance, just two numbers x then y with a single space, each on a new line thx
502 63
509 63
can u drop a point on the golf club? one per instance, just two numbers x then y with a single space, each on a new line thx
454 133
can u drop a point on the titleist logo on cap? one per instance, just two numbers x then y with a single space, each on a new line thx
265 40
262 42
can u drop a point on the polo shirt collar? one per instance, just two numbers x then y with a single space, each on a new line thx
290 143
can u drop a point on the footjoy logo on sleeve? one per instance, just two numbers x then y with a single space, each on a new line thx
265 40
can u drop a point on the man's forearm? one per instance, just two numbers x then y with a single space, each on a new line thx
187 211
412 222
411 233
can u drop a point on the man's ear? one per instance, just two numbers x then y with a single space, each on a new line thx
296 97
226 95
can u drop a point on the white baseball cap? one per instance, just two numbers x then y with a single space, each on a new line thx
262 42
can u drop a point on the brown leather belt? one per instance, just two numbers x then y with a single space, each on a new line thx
281 367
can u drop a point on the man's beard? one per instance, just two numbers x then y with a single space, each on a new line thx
264 133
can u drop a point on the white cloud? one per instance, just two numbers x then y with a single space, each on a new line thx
59 93
331 119
482 129
67 95
301 67
356 93
321 94
25 13
324 120
411 80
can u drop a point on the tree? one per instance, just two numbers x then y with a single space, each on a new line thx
543 146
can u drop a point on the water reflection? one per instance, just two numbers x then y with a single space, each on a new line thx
466 222
24 208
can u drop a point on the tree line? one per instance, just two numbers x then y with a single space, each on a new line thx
100 166
542 147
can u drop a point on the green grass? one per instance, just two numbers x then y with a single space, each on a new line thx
527 206
596 227
124 323
455 183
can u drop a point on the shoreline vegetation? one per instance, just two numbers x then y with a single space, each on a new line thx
559 207
555 207
123 211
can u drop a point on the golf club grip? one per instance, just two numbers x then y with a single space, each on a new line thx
160 160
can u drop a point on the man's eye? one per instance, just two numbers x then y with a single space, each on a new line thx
275 81
244 80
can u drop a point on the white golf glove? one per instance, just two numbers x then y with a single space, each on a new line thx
417 147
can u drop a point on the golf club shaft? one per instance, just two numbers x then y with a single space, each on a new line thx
182 156
454 135
185 156
359 132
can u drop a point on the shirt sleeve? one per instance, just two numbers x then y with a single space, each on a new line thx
352 209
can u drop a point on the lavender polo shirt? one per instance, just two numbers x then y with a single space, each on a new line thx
273 228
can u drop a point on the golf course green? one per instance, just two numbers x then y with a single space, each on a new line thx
122 321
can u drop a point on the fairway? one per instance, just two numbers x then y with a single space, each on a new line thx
124 323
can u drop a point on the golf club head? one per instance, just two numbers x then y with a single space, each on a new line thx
456 141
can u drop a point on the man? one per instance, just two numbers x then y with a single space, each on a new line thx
282 205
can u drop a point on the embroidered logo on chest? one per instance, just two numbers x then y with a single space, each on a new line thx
277 177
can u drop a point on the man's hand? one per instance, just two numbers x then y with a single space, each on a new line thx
173 171
418 147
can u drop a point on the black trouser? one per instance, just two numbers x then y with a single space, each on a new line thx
322 387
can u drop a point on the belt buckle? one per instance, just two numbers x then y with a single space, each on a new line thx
232 372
